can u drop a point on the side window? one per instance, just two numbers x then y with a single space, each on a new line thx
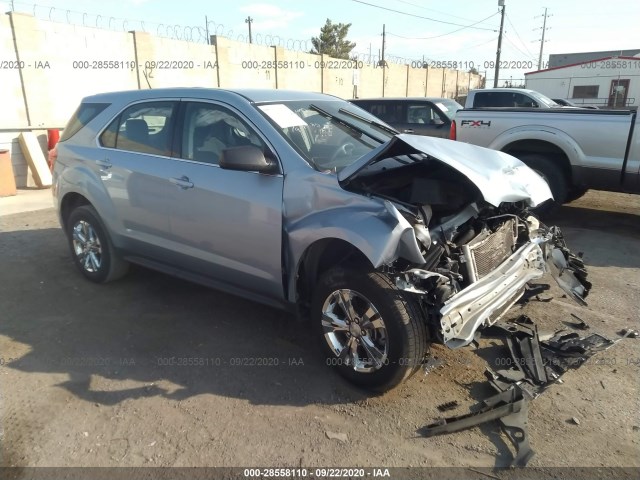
482 99
208 129
390 112
503 99
143 127
522 100
423 114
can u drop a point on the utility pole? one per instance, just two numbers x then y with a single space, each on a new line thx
248 20
384 40
495 78
544 29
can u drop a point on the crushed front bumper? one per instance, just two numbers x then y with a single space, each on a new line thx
485 301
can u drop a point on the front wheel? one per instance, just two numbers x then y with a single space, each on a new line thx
553 174
371 332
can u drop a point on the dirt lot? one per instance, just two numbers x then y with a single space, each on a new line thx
85 382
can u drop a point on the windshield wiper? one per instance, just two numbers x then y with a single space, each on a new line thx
345 124
373 123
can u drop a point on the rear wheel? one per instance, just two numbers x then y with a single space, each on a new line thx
372 333
91 247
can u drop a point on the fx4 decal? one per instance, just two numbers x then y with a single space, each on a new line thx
475 123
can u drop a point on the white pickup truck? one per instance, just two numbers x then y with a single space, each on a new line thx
572 149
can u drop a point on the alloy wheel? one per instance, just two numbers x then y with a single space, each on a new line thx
87 246
355 331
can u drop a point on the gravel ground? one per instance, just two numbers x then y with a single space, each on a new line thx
85 379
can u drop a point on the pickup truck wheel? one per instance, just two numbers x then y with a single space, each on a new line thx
552 174
368 329
576 193
91 247
555 178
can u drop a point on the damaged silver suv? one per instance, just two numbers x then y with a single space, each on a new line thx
386 242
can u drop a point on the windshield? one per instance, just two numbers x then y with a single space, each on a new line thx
544 99
330 135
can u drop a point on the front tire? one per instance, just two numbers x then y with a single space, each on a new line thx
371 332
91 247
553 174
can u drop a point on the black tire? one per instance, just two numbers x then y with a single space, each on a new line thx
576 193
405 329
553 175
111 266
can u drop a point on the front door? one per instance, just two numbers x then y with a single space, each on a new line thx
618 93
421 118
229 223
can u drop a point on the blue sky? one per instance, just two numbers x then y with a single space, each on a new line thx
574 25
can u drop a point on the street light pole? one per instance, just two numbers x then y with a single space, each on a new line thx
495 78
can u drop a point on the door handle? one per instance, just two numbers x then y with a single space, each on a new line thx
183 182
407 130
104 164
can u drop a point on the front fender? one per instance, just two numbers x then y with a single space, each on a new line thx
373 226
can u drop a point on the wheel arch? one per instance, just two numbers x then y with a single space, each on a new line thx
70 201
521 148
319 257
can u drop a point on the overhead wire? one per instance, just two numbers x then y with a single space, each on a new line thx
432 10
518 35
426 18
441 35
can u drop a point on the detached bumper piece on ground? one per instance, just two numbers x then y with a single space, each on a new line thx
536 364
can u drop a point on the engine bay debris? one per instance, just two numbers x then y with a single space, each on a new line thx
533 364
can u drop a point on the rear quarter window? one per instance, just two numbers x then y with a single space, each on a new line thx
83 115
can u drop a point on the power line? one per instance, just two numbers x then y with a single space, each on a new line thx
516 31
481 44
443 34
425 18
516 47
432 10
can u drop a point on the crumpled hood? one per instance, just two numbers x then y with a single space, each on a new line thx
499 176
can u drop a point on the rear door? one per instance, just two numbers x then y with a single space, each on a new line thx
228 223
134 165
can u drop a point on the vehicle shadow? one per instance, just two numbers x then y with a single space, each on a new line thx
174 338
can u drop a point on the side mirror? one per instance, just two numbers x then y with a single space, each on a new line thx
247 159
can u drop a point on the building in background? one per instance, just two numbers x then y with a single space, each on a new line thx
564 59
611 81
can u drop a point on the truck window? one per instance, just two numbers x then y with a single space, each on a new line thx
521 100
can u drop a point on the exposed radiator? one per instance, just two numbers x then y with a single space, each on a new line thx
485 252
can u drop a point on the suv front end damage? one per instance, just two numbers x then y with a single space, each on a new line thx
473 246
493 288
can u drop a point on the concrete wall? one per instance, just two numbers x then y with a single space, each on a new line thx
62 63
163 62
13 106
